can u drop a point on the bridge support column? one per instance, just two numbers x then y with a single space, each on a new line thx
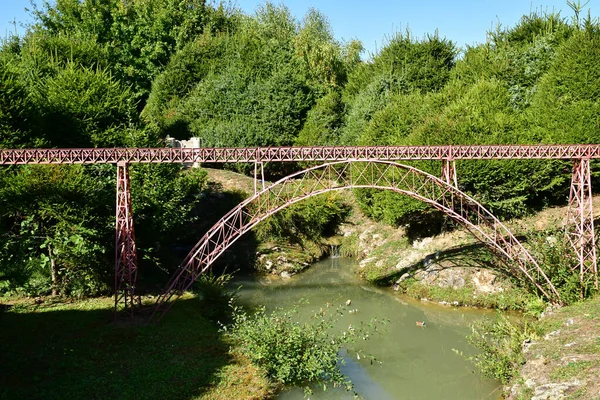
262 176
126 263
580 222
449 172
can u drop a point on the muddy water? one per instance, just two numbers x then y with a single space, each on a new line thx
413 362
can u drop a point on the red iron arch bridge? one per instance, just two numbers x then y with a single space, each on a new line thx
338 168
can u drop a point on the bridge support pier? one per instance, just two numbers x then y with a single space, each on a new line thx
580 222
262 176
126 263
449 172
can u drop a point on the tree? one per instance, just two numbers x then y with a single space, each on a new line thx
140 36
56 229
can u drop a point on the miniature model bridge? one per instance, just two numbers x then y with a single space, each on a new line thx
342 168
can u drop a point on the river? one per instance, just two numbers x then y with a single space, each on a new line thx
413 362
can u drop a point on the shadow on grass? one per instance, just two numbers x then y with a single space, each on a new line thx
67 352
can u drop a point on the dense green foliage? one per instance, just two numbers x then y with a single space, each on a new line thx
64 84
56 229
294 352
306 221
253 85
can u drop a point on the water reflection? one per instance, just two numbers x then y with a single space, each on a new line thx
413 362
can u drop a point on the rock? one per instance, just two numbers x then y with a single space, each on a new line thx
484 281
552 334
408 260
530 383
367 261
431 268
548 311
554 391
450 278
268 265
527 343
403 278
348 302
458 283
423 243
569 322
286 275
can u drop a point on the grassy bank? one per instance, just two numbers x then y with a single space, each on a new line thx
74 350
565 356
513 299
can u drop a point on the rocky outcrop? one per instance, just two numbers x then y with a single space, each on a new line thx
424 260
284 262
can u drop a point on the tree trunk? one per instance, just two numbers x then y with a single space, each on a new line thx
53 272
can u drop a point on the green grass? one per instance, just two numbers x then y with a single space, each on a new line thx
75 351
513 299
571 370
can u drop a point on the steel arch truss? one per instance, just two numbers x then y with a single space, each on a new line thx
375 174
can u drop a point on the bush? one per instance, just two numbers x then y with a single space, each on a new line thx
216 296
556 257
306 221
501 345
294 353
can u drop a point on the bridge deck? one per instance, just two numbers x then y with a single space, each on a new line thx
290 154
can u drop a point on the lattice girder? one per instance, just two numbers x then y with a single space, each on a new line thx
293 154
373 174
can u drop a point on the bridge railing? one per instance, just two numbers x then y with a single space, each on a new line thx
291 154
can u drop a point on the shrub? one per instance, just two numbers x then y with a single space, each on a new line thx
501 345
305 221
291 352
555 256
216 296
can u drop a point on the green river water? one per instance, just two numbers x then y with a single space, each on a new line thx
415 362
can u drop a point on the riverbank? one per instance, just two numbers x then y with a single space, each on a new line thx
57 349
450 268
563 361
